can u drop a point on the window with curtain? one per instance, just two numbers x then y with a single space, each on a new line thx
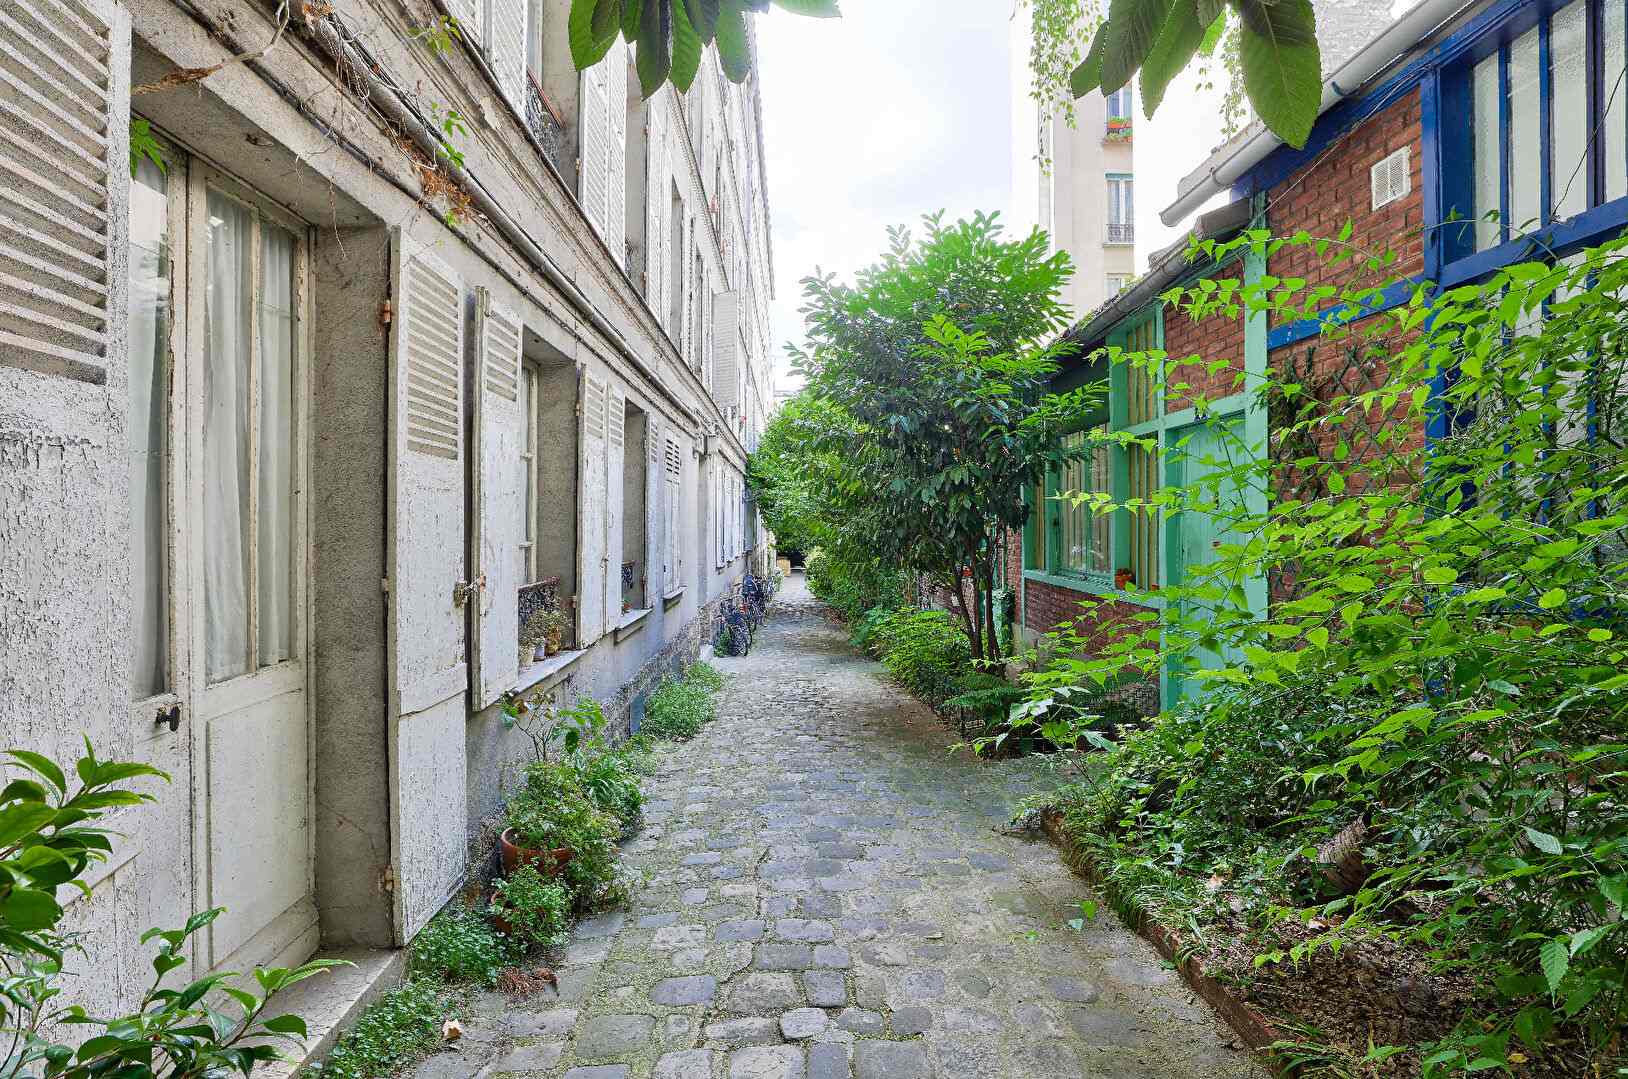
1085 535
1534 159
146 428
247 451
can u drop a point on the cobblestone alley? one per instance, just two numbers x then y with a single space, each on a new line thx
826 898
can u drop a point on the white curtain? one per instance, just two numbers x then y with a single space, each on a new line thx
276 451
225 439
149 382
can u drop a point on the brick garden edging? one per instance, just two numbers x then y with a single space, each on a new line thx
1247 1022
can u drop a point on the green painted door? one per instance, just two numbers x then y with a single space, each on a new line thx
1195 538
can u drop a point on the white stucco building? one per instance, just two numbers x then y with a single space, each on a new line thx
408 334
1075 182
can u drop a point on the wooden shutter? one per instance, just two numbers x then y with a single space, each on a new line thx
615 462
593 136
64 185
471 24
593 505
672 477
500 502
428 675
655 196
725 356
616 158
506 46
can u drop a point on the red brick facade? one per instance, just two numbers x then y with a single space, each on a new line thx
1214 337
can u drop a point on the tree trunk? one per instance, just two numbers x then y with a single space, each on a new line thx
960 604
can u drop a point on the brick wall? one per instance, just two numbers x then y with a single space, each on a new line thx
1214 337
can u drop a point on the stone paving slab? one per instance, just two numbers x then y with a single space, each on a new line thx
825 898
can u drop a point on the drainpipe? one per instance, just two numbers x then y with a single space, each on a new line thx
1416 25
386 98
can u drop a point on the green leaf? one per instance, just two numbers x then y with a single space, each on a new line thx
1555 958
687 46
814 9
655 46
286 1024
1282 66
592 29
1440 575
632 17
1088 75
1178 40
23 819
27 909
43 767
1584 939
703 17
1552 598
1133 27
1543 841
733 51
1599 635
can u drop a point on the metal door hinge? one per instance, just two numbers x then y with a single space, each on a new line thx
386 313
387 879
169 717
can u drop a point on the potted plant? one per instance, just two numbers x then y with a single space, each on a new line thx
552 820
533 636
530 908
553 623
1122 577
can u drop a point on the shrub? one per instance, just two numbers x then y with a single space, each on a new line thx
853 586
680 707
612 783
553 810
536 910
393 1030
460 946
924 650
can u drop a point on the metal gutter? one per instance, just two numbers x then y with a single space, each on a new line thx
1227 165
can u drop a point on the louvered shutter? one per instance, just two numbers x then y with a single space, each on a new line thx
672 477
471 24
500 502
594 138
615 462
64 185
616 163
506 46
591 556
655 195
725 358
718 516
428 675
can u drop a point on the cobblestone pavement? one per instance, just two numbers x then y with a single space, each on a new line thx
825 899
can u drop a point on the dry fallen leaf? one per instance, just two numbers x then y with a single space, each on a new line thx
451 1030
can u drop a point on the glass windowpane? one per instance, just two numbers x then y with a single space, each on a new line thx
277 546
228 323
148 400
1488 174
1524 117
1568 58
1615 139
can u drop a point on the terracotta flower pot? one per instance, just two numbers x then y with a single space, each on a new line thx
548 862
1123 578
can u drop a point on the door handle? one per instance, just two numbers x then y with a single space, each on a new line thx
170 717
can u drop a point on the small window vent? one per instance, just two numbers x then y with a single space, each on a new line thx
1390 178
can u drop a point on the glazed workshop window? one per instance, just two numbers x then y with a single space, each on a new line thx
1549 132
251 269
1137 406
1082 538
147 427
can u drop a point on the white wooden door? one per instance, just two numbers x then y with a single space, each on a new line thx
247 553
428 591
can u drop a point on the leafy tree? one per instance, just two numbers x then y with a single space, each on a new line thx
934 359
671 35
783 473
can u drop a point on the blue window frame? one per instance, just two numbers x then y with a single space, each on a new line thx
1535 129
1119 103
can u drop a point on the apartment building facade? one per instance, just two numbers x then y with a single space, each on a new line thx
1462 137
1076 181
334 340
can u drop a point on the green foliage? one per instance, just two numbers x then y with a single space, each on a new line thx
681 706
391 1032
537 910
144 144
784 478
853 587
1277 51
612 782
49 837
671 35
459 945
553 810
1442 662
935 414
924 650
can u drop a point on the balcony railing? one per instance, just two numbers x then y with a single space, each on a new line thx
545 125
1121 233
1118 129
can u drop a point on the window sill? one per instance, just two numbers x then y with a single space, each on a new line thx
671 599
1092 586
631 623
546 670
